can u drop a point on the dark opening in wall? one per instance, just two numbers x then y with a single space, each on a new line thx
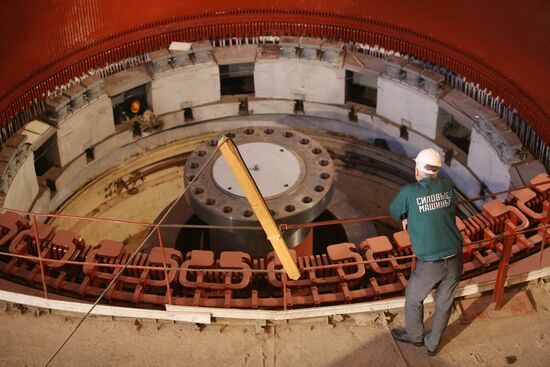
299 106
131 103
458 134
188 114
361 88
43 160
403 132
237 79
90 154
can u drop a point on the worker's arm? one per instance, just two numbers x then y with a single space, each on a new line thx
399 208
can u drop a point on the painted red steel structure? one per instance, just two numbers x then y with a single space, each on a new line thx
502 45
35 254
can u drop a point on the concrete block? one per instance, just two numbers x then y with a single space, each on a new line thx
269 52
126 80
185 87
299 79
204 113
404 104
37 133
364 64
271 107
244 54
24 186
485 162
83 129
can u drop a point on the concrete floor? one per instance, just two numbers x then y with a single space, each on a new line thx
519 336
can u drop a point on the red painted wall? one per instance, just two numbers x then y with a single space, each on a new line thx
500 44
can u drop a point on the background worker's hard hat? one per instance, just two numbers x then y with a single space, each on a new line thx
135 106
428 157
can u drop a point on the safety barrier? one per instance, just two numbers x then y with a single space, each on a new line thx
59 260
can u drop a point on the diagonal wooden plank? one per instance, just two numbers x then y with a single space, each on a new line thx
236 164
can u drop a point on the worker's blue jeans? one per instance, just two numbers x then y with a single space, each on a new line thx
442 274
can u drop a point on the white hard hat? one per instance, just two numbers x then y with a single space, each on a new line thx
428 157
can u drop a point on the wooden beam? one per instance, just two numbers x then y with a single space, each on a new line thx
242 174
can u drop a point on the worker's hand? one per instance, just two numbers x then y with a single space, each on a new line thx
404 223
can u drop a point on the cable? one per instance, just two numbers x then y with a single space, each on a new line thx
130 259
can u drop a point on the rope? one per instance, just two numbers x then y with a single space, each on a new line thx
130 259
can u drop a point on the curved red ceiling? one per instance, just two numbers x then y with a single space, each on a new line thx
39 37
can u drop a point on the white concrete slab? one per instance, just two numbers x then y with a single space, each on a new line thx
312 81
407 105
485 163
24 186
126 80
37 132
185 87
83 129
230 55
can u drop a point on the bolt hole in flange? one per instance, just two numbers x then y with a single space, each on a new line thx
319 188
199 190
193 165
210 201
227 209
290 208
201 153
307 199
324 176
212 143
317 151
288 134
247 213
268 131
323 163
249 131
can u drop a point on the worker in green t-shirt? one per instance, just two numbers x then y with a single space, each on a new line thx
427 210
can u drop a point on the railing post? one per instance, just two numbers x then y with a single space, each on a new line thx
544 223
283 278
504 263
168 289
39 252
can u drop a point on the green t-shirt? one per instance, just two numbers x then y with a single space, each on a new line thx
430 208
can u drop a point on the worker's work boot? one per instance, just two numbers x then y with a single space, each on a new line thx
402 336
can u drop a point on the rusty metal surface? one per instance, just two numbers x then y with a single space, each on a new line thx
347 272
47 42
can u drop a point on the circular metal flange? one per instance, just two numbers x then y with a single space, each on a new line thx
294 173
